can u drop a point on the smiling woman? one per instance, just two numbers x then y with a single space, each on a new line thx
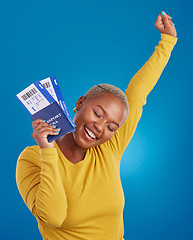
97 119
72 186
102 114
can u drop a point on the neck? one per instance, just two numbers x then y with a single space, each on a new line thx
70 149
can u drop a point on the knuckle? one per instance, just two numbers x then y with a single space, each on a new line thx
36 121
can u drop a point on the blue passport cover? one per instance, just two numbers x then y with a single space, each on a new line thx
54 115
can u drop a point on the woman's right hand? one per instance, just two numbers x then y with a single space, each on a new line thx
40 132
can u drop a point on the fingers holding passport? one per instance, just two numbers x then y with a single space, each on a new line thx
40 132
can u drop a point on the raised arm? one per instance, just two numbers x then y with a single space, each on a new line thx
145 79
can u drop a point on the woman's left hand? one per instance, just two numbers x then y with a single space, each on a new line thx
165 25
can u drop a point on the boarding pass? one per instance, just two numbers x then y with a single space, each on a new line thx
35 97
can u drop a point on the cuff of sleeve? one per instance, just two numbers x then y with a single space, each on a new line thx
48 154
169 38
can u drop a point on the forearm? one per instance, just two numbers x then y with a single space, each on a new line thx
146 78
141 85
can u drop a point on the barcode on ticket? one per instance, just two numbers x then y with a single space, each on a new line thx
27 95
35 97
46 85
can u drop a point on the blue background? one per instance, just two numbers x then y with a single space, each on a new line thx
85 43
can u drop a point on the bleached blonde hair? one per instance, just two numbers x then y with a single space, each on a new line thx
108 88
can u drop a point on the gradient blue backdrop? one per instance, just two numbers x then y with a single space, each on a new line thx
85 43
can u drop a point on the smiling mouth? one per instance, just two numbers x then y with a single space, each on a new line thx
90 134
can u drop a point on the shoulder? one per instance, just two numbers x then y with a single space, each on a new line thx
111 148
31 154
28 164
34 150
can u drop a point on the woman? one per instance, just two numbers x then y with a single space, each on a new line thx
72 186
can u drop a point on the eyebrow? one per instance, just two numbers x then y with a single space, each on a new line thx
106 113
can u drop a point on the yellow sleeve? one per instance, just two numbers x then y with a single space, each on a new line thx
40 185
139 88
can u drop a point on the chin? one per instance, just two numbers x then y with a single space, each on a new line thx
84 143
80 142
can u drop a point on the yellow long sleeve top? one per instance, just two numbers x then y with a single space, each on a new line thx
85 201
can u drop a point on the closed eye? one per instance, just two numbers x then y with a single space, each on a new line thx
110 128
98 115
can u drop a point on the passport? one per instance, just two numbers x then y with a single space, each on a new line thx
44 100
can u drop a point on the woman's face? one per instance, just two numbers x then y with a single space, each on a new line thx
97 119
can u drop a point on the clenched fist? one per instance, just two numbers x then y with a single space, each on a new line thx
165 25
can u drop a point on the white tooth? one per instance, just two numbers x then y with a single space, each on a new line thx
90 133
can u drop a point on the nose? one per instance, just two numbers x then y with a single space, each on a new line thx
99 126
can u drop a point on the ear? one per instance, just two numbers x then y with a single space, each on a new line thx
79 103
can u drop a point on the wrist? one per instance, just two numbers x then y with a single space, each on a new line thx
46 145
169 38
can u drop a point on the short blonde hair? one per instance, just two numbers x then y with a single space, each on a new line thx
102 88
